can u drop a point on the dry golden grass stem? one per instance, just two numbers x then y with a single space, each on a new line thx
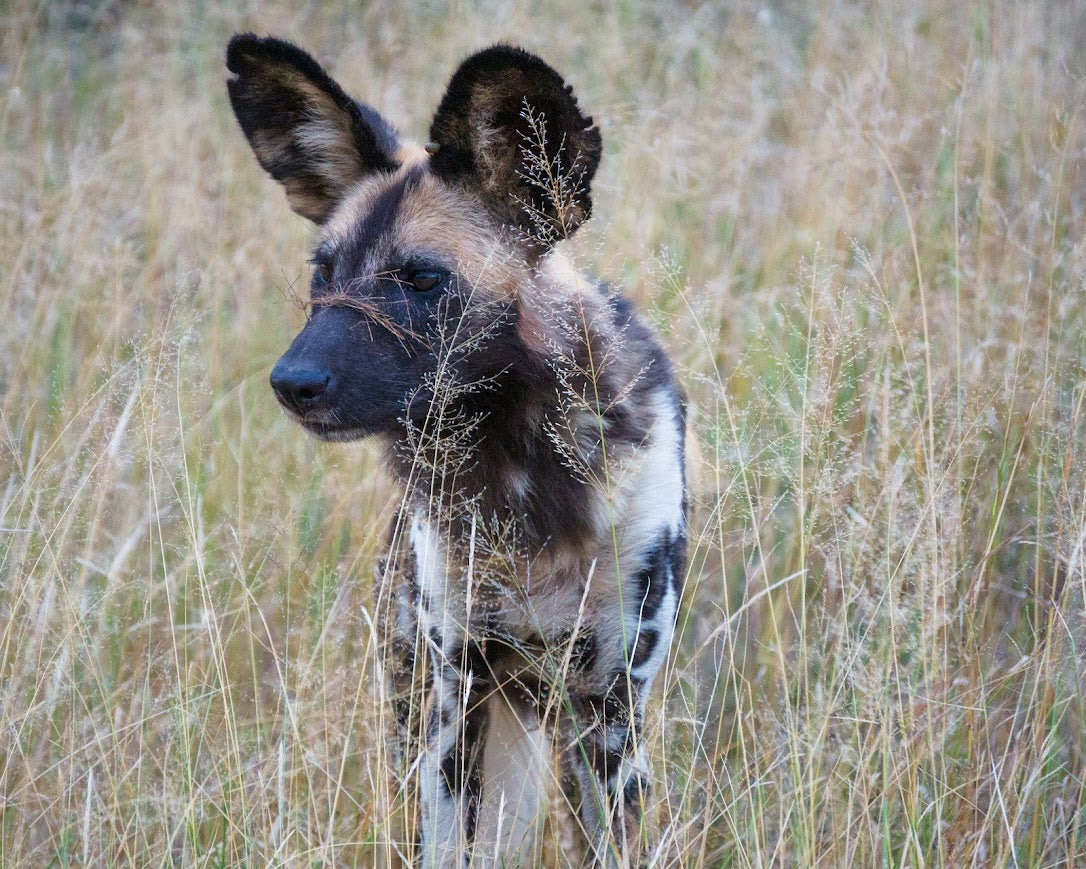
858 228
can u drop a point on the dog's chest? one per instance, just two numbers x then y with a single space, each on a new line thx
485 584
478 588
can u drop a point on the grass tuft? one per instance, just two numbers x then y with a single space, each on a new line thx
859 229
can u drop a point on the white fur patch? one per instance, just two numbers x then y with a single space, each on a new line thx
655 483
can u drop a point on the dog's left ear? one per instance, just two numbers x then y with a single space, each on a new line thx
509 129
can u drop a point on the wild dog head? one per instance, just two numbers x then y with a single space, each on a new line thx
426 255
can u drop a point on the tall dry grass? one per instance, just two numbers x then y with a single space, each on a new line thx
859 227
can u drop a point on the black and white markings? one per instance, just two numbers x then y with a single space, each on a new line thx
659 587
604 643
538 404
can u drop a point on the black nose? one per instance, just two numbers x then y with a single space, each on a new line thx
300 388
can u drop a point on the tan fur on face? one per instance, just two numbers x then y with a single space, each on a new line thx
438 221
434 217
451 226
559 289
352 208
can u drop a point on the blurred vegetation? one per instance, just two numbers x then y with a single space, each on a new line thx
858 226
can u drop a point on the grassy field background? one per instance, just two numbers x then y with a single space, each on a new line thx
859 228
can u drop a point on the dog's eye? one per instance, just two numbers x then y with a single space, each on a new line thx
424 281
322 275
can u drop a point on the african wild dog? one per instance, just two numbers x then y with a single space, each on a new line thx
534 421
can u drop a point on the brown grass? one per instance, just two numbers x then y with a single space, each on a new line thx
859 226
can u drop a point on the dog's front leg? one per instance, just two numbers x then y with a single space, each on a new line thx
451 769
608 760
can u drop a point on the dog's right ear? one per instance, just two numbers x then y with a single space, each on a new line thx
306 132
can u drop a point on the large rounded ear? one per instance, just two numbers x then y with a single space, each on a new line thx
509 128
306 132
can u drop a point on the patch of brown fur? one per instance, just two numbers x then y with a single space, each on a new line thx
325 136
558 286
306 199
331 147
437 217
439 220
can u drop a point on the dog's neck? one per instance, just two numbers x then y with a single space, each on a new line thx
534 452
508 460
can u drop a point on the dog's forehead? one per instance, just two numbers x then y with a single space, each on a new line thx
413 213
369 208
